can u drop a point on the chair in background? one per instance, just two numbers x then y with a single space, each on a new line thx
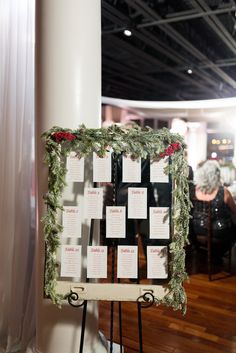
205 242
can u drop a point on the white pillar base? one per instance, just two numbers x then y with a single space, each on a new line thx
68 93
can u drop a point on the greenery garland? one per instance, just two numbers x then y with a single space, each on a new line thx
137 142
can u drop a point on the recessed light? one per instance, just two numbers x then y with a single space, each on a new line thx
190 71
127 33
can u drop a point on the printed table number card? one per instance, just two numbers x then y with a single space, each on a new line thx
75 168
71 221
157 174
102 168
71 261
97 262
157 262
137 203
131 170
159 224
127 261
93 203
115 222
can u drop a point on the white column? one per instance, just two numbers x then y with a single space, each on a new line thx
68 93
197 143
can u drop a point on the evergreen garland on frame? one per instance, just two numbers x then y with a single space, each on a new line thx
137 142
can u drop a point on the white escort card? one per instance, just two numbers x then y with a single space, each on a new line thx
71 261
75 168
157 262
127 261
137 203
93 203
97 262
159 223
102 168
71 221
131 170
157 174
115 222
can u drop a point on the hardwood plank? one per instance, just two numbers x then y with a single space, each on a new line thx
193 332
208 327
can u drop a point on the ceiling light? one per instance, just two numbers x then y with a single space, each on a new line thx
127 33
190 71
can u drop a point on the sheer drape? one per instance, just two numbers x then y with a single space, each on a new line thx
17 237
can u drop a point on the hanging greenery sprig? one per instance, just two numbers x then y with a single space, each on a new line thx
136 142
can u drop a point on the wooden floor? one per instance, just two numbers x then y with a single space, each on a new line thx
208 327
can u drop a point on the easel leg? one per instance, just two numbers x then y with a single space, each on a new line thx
111 326
140 330
120 326
86 302
112 303
83 327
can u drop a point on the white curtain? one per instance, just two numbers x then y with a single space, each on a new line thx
17 236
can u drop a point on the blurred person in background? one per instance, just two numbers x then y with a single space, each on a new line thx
228 178
227 172
208 187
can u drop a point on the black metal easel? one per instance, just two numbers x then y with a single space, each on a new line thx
144 301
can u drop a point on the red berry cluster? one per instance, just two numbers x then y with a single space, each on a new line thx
59 136
170 150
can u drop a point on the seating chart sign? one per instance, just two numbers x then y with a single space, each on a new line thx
102 168
131 170
157 174
71 221
159 223
115 222
97 262
93 203
137 203
127 262
71 261
75 168
157 262
114 233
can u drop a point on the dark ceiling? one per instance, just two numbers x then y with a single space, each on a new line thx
168 38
